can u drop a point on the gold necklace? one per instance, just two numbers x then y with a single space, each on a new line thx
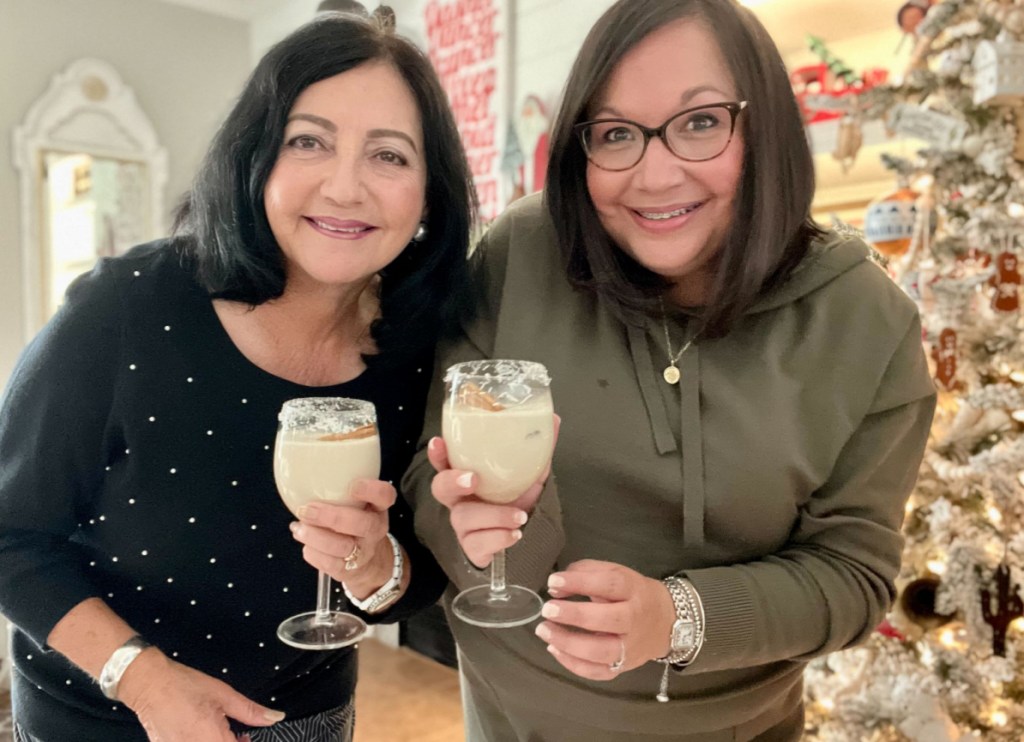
671 373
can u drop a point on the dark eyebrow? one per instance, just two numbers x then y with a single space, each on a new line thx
686 97
383 133
372 134
318 120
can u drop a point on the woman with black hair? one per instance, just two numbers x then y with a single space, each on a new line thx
744 403
142 539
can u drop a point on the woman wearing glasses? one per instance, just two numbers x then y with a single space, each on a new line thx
744 403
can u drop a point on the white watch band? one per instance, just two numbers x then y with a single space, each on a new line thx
114 669
388 593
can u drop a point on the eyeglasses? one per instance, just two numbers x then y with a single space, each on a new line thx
694 135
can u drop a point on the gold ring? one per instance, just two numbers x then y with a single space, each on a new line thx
352 560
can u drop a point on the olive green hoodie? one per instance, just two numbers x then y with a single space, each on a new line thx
774 476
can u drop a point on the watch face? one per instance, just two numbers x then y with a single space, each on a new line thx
684 635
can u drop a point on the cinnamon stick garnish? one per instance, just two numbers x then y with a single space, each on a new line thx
364 431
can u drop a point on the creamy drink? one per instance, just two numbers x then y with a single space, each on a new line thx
323 445
498 422
311 466
507 448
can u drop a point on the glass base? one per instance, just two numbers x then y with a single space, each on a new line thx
305 631
514 606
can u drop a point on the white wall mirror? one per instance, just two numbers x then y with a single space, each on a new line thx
92 180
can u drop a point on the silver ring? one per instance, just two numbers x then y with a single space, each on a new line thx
617 665
352 560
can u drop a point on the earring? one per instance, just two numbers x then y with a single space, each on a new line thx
421 233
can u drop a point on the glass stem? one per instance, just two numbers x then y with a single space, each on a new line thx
323 600
498 586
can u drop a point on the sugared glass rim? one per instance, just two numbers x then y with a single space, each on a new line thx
298 412
502 370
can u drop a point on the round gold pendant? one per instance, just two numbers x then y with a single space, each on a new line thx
671 374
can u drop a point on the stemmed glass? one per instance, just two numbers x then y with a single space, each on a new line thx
324 444
498 422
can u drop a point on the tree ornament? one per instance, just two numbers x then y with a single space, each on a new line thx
1006 608
944 354
1014 21
999 71
848 142
911 13
1007 282
917 603
972 145
890 219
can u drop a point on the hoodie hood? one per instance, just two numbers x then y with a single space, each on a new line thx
827 258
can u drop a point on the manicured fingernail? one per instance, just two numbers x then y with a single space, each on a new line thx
516 535
554 651
550 610
310 512
543 632
520 517
465 480
274 716
432 443
296 528
556 581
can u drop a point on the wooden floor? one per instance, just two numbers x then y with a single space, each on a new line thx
404 697
401 697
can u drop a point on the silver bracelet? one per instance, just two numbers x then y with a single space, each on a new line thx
690 615
113 670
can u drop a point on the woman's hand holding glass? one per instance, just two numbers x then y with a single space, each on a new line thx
482 528
331 533
324 446
626 621
498 426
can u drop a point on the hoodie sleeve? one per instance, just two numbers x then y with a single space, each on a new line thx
832 583
543 537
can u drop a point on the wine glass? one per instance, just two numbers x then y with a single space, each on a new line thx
324 444
498 422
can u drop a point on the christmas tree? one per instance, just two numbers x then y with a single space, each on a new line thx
948 663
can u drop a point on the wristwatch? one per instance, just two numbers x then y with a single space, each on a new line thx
115 667
688 630
389 592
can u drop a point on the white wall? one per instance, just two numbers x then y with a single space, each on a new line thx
549 33
185 66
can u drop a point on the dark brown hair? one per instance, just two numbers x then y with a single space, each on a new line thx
771 227
224 222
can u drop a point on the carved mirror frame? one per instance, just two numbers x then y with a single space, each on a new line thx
86 109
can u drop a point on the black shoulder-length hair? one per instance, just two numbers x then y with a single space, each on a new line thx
771 227
223 222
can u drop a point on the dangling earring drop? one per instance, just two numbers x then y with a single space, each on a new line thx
421 233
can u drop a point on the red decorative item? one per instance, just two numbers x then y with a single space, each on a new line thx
1007 282
1007 608
887 630
944 354
818 80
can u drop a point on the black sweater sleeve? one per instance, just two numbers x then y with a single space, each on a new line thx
53 434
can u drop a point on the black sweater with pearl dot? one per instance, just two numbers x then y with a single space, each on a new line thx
136 450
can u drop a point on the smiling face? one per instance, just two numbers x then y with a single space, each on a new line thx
349 186
669 215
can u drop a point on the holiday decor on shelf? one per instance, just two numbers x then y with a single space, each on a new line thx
947 664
